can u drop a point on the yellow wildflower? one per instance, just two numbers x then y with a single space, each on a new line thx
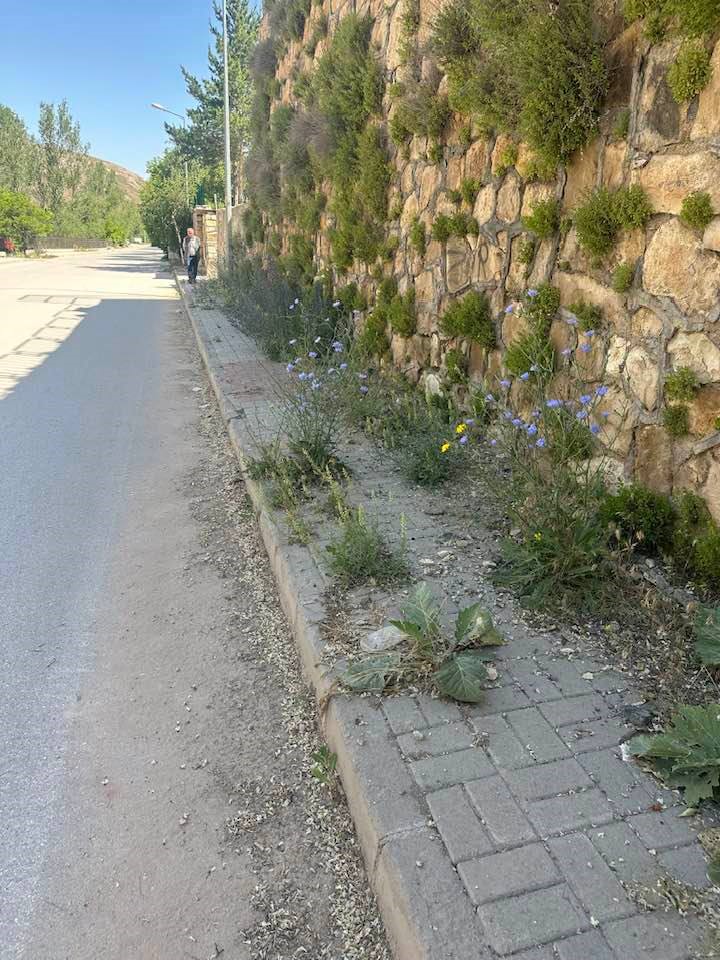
538 537
461 428
445 447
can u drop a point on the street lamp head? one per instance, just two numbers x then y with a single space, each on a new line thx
158 106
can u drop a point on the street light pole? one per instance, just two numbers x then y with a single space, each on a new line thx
228 172
159 106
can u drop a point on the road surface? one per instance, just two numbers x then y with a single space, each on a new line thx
136 703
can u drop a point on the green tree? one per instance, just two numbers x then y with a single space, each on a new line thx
62 156
22 220
18 152
163 201
202 139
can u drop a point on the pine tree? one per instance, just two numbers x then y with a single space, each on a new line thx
202 139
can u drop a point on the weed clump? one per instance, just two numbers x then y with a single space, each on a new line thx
417 236
470 317
544 220
682 385
622 278
690 72
605 213
676 420
361 553
697 210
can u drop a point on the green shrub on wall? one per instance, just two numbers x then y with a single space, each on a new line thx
690 72
536 70
694 18
604 213
470 317
697 210
544 219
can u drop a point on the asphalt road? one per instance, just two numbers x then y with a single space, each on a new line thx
109 629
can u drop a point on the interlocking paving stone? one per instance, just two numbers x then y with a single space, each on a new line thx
536 734
547 915
499 811
503 747
586 946
590 706
484 824
624 853
438 711
570 812
403 714
590 878
688 864
458 824
500 700
595 734
547 779
662 830
430 899
565 675
446 738
536 686
435 772
621 782
653 936
505 874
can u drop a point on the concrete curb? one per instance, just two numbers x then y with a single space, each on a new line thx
388 815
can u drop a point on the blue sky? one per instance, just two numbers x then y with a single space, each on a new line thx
110 59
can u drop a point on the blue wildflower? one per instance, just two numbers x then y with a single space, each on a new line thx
493 443
343 366
524 376
595 429
566 352
516 422
553 404
363 389
585 399
470 421
312 355
290 367
316 384
589 333
572 320
490 398
508 415
505 384
463 441
581 415
532 293
303 376
509 308
541 442
601 391
532 430
586 347
337 346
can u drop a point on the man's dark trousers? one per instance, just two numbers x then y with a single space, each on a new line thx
193 264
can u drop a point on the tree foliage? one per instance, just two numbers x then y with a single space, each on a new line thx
203 139
164 205
22 220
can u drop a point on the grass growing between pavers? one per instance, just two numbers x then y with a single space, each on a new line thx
547 665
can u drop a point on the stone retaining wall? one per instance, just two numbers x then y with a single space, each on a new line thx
669 318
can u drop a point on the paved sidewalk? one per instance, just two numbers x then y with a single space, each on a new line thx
510 829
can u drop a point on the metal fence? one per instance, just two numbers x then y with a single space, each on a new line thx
70 243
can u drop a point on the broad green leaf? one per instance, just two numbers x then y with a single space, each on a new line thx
687 754
713 871
409 628
424 611
372 673
462 677
707 635
478 627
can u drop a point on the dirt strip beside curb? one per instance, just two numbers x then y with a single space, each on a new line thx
420 896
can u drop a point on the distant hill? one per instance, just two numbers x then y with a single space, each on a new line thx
129 182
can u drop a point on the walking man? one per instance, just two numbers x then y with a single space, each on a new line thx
191 252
